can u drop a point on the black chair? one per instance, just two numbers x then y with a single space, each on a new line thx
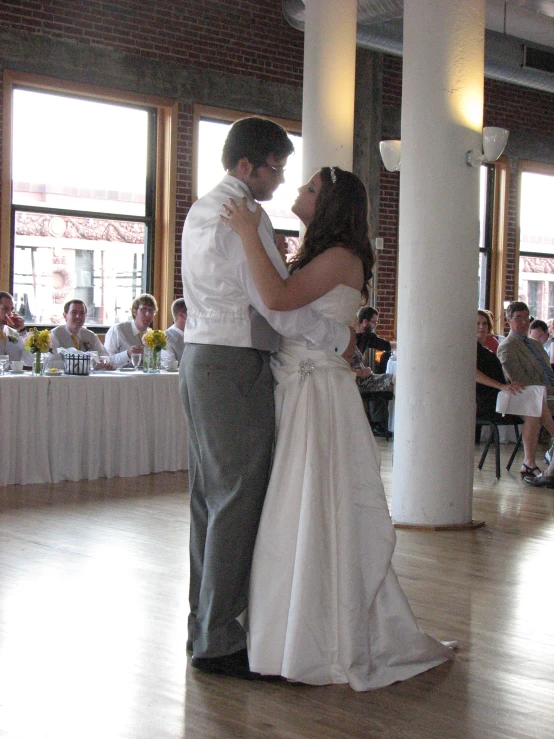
493 425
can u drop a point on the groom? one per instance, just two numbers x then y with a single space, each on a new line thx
226 388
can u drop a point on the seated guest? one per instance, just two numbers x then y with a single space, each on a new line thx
74 334
538 330
523 358
175 334
12 332
490 380
546 480
367 379
491 342
365 324
125 339
370 382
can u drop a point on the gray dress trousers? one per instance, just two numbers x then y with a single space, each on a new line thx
227 396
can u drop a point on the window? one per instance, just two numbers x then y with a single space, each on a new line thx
212 126
533 297
486 210
536 239
88 213
551 298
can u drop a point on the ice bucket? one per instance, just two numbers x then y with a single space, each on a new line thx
76 364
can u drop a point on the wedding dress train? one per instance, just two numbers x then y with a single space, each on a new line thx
325 602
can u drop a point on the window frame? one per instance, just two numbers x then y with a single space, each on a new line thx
499 241
488 230
161 254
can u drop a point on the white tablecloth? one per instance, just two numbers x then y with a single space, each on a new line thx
106 425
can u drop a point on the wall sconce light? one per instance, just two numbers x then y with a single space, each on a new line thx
494 141
390 154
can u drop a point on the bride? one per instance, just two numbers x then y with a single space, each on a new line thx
325 603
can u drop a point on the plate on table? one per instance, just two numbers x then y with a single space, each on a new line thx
53 373
127 369
173 371
17 372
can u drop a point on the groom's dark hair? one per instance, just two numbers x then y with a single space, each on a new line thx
255 139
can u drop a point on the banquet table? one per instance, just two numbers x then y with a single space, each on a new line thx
111 424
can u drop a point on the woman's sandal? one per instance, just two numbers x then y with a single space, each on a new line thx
527 471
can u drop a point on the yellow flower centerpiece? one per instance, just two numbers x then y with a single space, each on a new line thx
38 342
155 340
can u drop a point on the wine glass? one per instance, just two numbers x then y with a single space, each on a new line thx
94 360
135 359
4 359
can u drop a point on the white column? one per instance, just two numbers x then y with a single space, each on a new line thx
329 84
442 109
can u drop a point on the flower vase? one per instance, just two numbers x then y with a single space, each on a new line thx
155 361
37 364
146 359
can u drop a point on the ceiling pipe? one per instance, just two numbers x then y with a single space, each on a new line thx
380 29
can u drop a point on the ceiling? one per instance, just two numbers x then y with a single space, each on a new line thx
509 26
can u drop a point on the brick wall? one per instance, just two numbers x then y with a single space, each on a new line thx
518 108
387 259
250 36
184 186
392 81
512 267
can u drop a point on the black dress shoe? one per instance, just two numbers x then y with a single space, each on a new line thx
232 665
542 481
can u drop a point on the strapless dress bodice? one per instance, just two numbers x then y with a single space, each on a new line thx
341 303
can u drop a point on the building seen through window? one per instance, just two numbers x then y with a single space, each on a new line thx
82 205
536 244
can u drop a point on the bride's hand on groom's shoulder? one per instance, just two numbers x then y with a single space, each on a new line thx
240 218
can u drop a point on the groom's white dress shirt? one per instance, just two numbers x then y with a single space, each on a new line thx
87 340
223 303
175 343
120 337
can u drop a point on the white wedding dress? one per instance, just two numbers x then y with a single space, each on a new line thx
325 603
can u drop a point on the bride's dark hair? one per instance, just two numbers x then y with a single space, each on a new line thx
341 218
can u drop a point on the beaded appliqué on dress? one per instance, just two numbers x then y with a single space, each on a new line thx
306 368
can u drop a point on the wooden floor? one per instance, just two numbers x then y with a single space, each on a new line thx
93 607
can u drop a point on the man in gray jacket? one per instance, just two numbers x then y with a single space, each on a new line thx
523 359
